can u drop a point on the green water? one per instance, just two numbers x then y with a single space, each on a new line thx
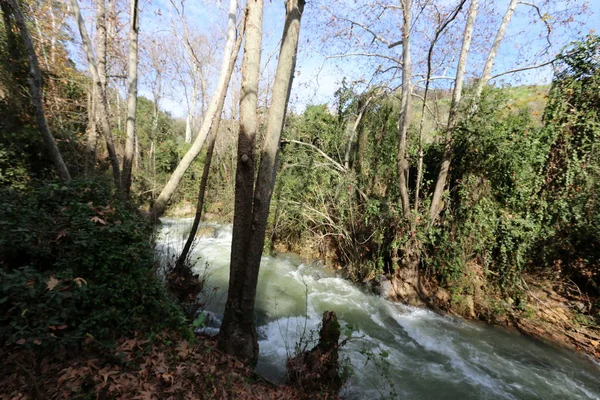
428 356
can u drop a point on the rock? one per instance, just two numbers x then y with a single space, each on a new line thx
442 296
206 232
404 288
579 306
385 288
470 303
208 216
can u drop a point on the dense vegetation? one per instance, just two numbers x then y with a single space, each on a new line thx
522 198
77 265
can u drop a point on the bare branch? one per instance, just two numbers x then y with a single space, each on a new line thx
366 55
542 18
394 44
336 164
366 28
512 71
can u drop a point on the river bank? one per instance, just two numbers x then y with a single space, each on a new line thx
396 350
552 311
551 314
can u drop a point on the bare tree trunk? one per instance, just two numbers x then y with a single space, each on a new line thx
41 39
353 130
404 121
214 130
489 62
100 90
92 131
190 117
35 87
167 192
101 42
436 202
437 35
244 191
136 154
238 333
131 98
102 102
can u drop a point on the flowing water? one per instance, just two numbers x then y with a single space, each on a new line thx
402 351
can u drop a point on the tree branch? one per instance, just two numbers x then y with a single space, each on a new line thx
512 71
336 164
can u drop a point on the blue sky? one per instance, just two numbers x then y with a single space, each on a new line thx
317 77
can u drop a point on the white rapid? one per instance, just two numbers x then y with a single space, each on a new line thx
399 351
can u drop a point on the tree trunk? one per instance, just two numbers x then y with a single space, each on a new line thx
99 91
232 339
92 132
489 62
214 130
102 102
404 120
167 192
439 31
188 127
101 42
353 130
131 98
436 202
238 332
190 117
35 87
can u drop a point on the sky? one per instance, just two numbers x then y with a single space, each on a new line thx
318 76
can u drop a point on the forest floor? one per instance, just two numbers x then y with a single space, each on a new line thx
168 367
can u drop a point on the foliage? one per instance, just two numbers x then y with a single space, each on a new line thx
523 189
572 170
77 263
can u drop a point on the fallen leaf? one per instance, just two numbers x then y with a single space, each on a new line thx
98 219
80 281
60 328
36 341
21 341
52 282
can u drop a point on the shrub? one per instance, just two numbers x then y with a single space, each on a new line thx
77 262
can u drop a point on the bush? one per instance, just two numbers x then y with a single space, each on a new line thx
77 262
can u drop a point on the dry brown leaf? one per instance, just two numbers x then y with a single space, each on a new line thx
98 220
80 281
52 283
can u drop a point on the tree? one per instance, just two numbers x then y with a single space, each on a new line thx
238 332
405 106
167 192
436 202
212 137
35 87
132 97
102 101
453 113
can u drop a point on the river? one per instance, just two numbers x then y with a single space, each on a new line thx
396 350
